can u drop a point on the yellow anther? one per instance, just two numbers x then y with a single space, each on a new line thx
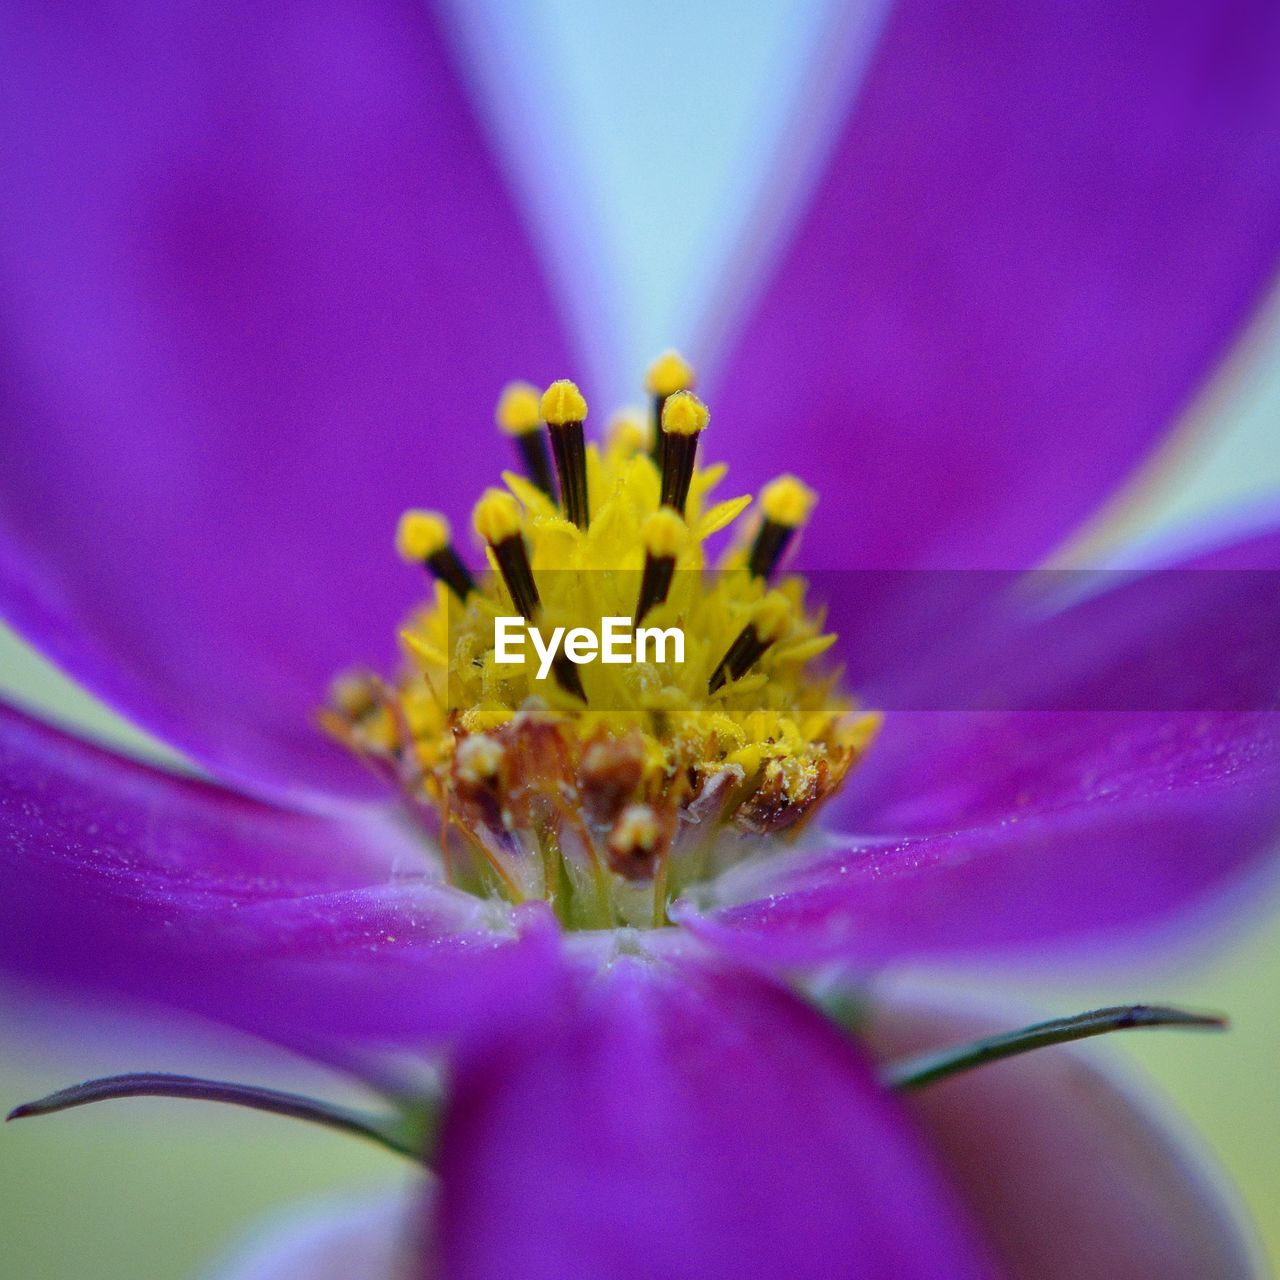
479 757
562 402
496 517
668 374
627 432
684 414
771 617
787 501
665 533
420 535
518 410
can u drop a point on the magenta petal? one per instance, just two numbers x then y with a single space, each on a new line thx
1039 227
315 932
256 262
1132 821
1195 635
1084 811
687 1123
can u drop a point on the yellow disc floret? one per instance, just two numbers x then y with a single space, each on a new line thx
609 786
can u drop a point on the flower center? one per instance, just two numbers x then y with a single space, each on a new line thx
694 728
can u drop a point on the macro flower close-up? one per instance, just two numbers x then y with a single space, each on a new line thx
569 747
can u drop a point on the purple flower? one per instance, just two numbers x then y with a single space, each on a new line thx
261 277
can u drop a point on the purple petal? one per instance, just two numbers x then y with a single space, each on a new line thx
1071 1171
1137 820
686 1123
1193 637
309 930
1038 229
1193 634
1136 772
262 284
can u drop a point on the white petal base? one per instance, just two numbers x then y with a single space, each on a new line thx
372 1237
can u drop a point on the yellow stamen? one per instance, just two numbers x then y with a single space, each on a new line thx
669 373
562 403
787 501
519 415
785 504
664 533
496 517
684 417
420 535
684 414
497 521
518 410
565 410
769 622
627 433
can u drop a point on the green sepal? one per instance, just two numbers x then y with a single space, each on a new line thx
928 1068
409 1131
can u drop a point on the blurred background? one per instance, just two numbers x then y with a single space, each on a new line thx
159 1188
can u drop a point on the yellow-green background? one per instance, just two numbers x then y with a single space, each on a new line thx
155 1190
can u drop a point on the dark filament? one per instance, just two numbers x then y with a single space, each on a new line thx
571 463
655 582
743 654
452 572
537 463
770 544
678 454
567 677
513 563
657 446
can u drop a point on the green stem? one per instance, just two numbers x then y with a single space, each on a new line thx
928 1068
406 1134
